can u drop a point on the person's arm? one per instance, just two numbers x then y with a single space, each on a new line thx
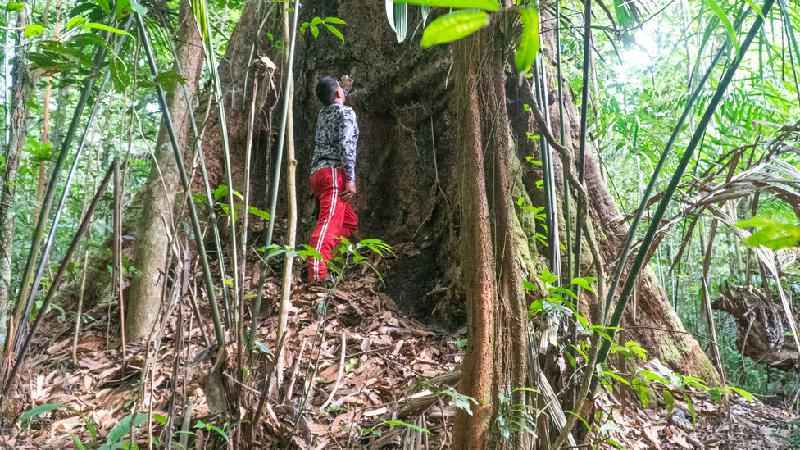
349 148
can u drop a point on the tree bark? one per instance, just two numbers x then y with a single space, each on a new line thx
21 89
477 257
159 193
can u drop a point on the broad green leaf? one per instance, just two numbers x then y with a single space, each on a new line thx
486 5
122 429
104 27
76 21
723 18
742 393
37 411
528 39
15 6
770 233
623 13
669 400
33 30
585 283
335 31
335 20
651 376
453 26
260 213
536 307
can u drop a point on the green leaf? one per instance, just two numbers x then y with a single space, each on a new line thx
585 283
15 6
26 417
770 233
397 423
486 5
453 26
335 20
528 46
717 10
623 13
169 80
76 441
122 429
160 419
615 376
536 307
669 400
742 393
260 213
76 21
335 31
104 27
33 30
690 407
104 5
651 376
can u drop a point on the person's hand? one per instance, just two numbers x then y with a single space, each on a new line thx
346 83
349 190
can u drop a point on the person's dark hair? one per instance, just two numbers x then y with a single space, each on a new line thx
326 89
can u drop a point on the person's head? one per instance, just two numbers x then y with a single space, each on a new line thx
329 91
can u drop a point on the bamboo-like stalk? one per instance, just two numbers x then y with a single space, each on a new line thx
246 212
277 174
276 178
602 346
27 288
794 50
51 235
291 167
580 216
674 181
57 278
553 250
117 253
173 139
197 137
211 61
622 257
706 297
567 276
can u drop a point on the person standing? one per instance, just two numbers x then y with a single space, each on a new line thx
333 174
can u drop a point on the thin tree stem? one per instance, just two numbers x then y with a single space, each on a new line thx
173 139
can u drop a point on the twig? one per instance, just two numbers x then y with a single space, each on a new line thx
339 375
290 388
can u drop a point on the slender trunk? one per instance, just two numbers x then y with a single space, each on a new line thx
706 296
22 85
158 194
291 168
41 182
472 430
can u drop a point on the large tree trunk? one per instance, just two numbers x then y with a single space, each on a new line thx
440 179
20 91
407 135
162 187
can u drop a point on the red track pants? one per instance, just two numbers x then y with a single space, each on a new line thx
336 219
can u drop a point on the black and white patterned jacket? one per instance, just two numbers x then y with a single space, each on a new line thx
336 140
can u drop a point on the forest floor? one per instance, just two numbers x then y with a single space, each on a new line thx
371 377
